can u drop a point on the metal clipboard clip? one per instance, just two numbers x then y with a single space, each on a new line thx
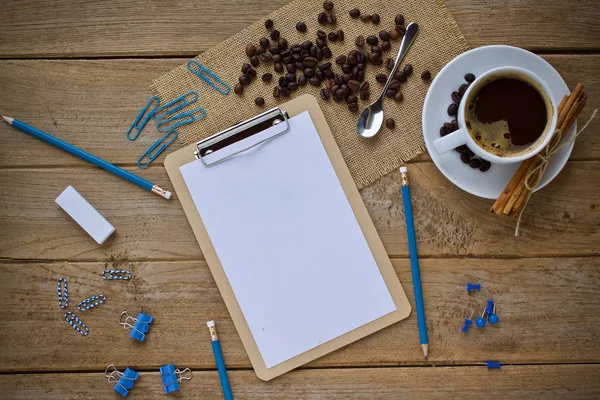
242 136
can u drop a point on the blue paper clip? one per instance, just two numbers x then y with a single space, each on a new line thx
151 156
138 126
171 377
76 323
185 118
123 380
63 293
177 103
139 326
91 302
202 71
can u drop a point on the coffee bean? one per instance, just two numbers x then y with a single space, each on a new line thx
309 72
341 92
326 52
346 68
328 83
464 157
276 92
245 67
292 86
448 126
364 86
250 49
301 27
399 20
285 92
393 34
324 66
390 93
244 80
291 68
372 40
338 79
283 43
266 77
290 77
278 67
456 97
275 34
361 57
340 35
470 153
408 69
265 57
353 84
352 60
346 78
401 76
310 62
328 5
469 77
238 88
389 63
485 165
319 75
340 60
276 58
452 109
353 107
321 34
268 23
259 101
359 41
475 163
375 58
384 35
274 49
321 43
332 36
302 81
282 81
361 66
443 131
386 45
264 42
376 49
390 123
354 13
351 99
463 88
365 17
426 75
375 18
286 59
398 97
394 84
251 73
381 78
364 95
322 18
332 19
462 149
325 94
454 125
260 50
314 81
254 61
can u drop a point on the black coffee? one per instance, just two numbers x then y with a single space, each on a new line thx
506 116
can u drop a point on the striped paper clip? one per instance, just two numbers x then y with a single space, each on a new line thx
165 141
181 119
76 323
63 294
116 274
142 118
175 105
205 74
91 302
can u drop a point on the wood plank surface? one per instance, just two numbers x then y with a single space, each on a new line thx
546 309
512 382
92 103
67 28
562 219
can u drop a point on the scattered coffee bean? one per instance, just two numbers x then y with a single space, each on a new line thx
399 20
359 41
325 94
351 99
321 43
264 42
291 68
485 165
282 81
475 163
401 76
283 43
309 72
260 50
390 123
372 40
324 66
384 35
276 92
390 93
328 5
251 73
322 18
469 77
401 29
381 78
454 125
426 75
386 45
269 23
365 17
332 37
265 57
290 77
238 88
278 67
443 131
353 107
376 49
452 109
354 13
244 80
353 84
302 81
364 87
259 101
326 52
250 49
267 77
319 75
463 88
245 68
464 157
375 18
462 149
314 81
274 49
394 84
448 127
340 60
470 152
292 86
301 27
393 34
340 35
275 34
320 35
285 92
375 58
408 69
364 95
456 97
254 61
310 62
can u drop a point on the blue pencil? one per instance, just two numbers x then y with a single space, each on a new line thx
219 359
69 148
414 260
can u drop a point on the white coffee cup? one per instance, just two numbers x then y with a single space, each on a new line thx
462 135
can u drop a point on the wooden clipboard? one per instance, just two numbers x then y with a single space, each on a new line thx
293 108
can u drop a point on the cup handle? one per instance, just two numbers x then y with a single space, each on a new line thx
450 141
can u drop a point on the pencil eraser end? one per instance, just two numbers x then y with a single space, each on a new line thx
85 214
210 324
168 195
403 169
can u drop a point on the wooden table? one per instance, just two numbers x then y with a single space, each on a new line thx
81 69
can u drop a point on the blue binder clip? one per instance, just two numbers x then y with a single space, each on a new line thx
181 119
139 326
201 72
151 155
171 377
175 105
141 120
123 380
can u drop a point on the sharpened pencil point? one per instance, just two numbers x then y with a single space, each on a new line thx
425 348
8 119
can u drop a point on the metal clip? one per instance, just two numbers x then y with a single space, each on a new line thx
171 377
139 326
186 118
138 126
91 302
114 274
63 294
123 380
76 323
201 73
151 156
177 103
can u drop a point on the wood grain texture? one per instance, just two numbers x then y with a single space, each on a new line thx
92 103
545 308
67 28
512 382
562 219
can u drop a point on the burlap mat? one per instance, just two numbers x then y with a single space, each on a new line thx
439 41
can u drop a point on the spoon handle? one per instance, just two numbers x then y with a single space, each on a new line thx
407 41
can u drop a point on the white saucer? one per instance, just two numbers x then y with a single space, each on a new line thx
487 184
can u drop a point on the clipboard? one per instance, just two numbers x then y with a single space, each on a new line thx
208 151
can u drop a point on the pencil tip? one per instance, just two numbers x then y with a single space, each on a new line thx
8 119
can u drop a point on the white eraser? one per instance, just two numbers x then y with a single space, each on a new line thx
403 169
168 195
85 214
210 324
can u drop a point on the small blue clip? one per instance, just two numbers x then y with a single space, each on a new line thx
151 156
138 126
123 380
140 325
202 71
171 377
177 103
473 286
491 364
186 118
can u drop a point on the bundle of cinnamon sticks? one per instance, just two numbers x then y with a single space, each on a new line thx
516 193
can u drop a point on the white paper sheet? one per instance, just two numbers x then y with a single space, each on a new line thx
289 243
